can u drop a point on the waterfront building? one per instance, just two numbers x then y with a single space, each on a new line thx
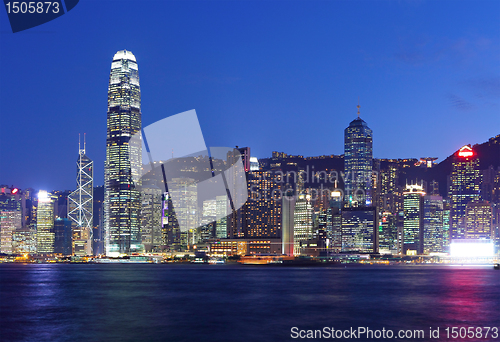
98 221
479 220
413 226
63 238
45 222
24 241
80 205
388 233
434 229
10 217
360 230
243 246
261 215
221 211
122 204
302 223
465 187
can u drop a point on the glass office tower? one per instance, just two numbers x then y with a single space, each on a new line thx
122 205
464 188
80 205
358 164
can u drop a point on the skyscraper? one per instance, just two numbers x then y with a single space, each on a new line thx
287 229
479 220
63 236
358 163
360 230
261 215
151 235
413 226
10 217
122 205
302 223
388 233
465 182
80 205
434 232
45 222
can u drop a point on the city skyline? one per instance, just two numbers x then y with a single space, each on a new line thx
440 79
275 170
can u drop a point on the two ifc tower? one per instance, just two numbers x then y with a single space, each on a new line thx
122 205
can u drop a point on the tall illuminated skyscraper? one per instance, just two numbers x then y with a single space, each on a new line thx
358 163
302 223
45 222
465 187
80 205
434 232
413 226
122 199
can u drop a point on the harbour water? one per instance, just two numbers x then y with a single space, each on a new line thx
179 302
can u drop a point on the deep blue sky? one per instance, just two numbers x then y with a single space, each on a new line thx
272 75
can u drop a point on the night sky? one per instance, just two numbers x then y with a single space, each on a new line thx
272 75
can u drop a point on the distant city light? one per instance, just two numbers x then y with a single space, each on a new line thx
15 191
472 249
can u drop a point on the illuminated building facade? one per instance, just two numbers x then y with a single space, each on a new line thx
302 223
413 226
186 206
388 234
241 247
208 220
45 222
479 220
261 214
24 241
360 230
10 217
388 192
465 187
151 217
221 210
435 235
81 205
358 163
63 242
10 221
122 204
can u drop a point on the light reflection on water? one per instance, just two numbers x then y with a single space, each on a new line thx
64 302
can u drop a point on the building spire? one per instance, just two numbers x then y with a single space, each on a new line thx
84 143
358 107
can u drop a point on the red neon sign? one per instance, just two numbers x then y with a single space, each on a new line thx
465 152
15 190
